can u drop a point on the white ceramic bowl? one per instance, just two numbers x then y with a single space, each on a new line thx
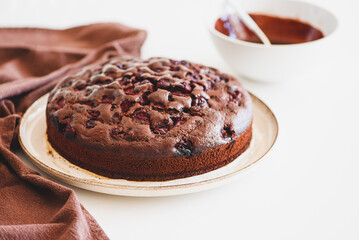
277 62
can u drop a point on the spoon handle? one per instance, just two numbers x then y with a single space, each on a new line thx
248 21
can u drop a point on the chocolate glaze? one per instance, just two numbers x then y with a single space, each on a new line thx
150 108
278 30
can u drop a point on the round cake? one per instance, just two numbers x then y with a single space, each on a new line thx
149 120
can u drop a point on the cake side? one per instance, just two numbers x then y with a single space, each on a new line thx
147 169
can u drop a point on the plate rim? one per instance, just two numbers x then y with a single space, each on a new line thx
67 178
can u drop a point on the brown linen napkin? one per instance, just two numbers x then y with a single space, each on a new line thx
32 61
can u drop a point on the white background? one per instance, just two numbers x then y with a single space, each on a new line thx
307 187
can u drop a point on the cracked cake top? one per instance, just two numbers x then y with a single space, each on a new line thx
150 108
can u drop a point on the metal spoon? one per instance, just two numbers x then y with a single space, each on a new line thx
234 9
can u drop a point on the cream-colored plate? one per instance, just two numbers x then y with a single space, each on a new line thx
33 140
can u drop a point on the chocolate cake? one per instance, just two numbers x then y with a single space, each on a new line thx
149 120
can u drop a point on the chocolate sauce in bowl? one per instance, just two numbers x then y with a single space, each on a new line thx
278 30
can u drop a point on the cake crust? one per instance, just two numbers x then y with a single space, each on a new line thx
155 119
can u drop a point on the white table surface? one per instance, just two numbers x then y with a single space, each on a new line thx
307 187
